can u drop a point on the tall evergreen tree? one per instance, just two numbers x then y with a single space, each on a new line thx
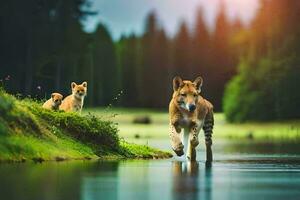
182 53
128 53
148 49
223 67
161 68
105 71
201 44
201 52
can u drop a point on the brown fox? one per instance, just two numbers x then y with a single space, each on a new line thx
54 102
190 111
74 102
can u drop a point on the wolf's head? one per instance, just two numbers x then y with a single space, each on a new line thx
186 93
79 91
56 99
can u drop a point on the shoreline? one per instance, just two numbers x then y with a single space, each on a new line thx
30 132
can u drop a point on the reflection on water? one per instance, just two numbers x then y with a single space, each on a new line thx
234 175
100 182
186 181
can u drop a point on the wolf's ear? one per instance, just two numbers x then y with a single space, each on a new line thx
177 82
84 84
73 84
198 83
52 95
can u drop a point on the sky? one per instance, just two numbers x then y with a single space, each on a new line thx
128 16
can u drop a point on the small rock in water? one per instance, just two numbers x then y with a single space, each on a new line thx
38 159
142 120
250 136
137 136
58 158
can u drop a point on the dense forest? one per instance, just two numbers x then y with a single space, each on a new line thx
43 48
268 81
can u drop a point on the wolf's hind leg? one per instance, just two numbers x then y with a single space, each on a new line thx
208 130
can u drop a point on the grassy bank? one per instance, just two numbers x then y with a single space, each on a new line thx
29 132
279 130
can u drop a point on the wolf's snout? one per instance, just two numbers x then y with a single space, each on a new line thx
192 107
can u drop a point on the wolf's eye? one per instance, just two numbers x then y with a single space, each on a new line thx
195 95
183 94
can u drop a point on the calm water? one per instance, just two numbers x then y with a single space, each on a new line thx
241 170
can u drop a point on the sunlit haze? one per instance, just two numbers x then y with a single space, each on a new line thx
128 16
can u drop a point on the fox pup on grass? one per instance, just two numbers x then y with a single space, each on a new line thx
54 102
74 102
190 111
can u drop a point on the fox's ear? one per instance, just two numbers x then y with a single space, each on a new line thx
73 84
198 83
52 95
84 84
177 82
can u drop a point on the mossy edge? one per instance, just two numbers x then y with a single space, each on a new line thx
29 132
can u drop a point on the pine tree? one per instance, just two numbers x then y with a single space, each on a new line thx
147 62
182 53
105 72
128 52
223 67
201 45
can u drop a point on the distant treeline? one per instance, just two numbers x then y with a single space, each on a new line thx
43 49
267 86
148 63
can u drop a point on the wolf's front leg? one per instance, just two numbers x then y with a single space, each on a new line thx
175 133
193 140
